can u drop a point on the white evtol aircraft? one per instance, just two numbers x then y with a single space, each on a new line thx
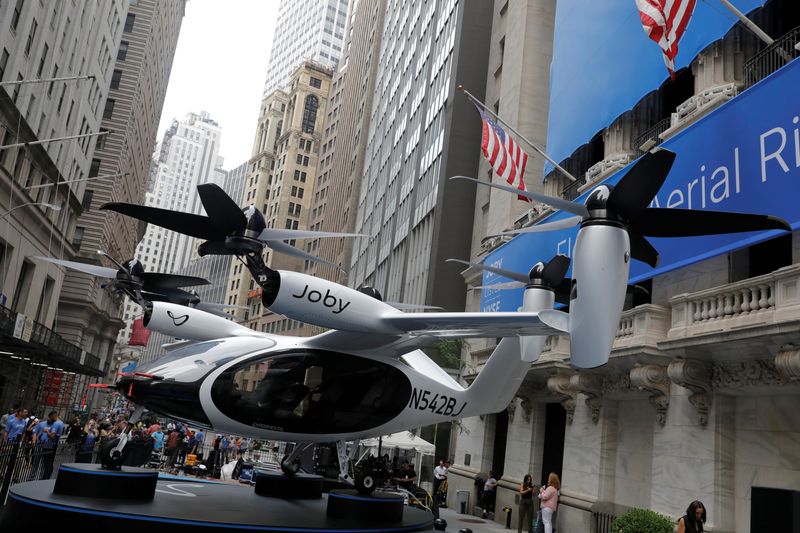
365 377
614 223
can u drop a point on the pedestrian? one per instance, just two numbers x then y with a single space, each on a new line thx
5 417
693 520
407 477
15 425
86 446
173 446
439 476
549 499
199 441
525 503
46 437
226 441
487 499
75 431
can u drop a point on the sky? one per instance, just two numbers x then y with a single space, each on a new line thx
220 66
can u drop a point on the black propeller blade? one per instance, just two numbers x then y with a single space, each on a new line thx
555 270
186 223
642 250
224 213
638 187
214 248
660 222
153 281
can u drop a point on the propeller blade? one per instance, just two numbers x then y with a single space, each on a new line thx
502 286
271 234
642 250
555 270
288 249
401 305
638 187
637 290
562 291
156 297
558 203
193 225
510 274
665 222
214 248
547 226
157 280
108 256
94 270
205 306
224 213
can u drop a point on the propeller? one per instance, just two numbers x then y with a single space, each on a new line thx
626 204
549 275
227 229
131 279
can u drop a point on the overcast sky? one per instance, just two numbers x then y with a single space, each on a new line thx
220 67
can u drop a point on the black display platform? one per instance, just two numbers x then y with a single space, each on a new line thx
184 505
276 484
93 481
376 507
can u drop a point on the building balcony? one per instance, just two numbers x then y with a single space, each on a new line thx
759 315
37 340
640 329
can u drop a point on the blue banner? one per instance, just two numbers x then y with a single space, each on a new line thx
603 63
742 157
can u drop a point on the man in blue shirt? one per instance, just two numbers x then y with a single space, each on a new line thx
46 436
15 425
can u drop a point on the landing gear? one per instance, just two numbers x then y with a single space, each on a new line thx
290 467
290 464
112 455
365 482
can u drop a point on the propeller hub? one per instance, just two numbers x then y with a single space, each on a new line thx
255 222
371 291
599 210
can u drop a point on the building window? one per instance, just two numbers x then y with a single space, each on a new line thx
115 79
310 113
15 15
77 237
88 194
315 82
31 37
109 109
101 140
23 286
122 53
3 63
129 20
94 170
42 60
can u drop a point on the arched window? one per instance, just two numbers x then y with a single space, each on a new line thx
310 113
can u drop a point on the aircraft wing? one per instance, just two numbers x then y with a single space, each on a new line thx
418 330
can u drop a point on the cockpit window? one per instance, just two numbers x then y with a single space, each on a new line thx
192 363
312 392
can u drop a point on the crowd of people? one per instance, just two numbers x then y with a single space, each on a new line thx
151 442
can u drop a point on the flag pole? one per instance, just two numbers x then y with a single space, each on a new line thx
515 132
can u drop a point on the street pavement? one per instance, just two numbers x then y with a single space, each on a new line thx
456 521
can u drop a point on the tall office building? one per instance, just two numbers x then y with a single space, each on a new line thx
343 143
119 167
306 30
214 268
422 132
75 41
187 156
280 180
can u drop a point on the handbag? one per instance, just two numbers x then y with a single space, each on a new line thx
538 523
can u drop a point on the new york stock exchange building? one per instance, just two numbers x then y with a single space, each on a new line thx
700 399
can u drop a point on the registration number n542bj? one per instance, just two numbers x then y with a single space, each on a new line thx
440 404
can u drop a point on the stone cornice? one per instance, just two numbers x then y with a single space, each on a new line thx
787 362
654 380
695 376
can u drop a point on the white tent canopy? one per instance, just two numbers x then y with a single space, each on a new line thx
405 440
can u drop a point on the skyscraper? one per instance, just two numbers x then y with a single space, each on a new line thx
118 169
306 30
422 132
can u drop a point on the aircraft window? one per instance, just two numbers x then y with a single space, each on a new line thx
312 392
192 363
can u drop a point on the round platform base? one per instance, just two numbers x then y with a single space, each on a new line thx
92 481
185 505
276 484
376 507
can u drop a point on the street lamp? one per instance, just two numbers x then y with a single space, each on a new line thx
54 207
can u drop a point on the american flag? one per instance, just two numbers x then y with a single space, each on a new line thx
505 156
664 21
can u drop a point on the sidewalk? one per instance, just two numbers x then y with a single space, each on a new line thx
456 521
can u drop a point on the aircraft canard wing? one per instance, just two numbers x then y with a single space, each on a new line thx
418 330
